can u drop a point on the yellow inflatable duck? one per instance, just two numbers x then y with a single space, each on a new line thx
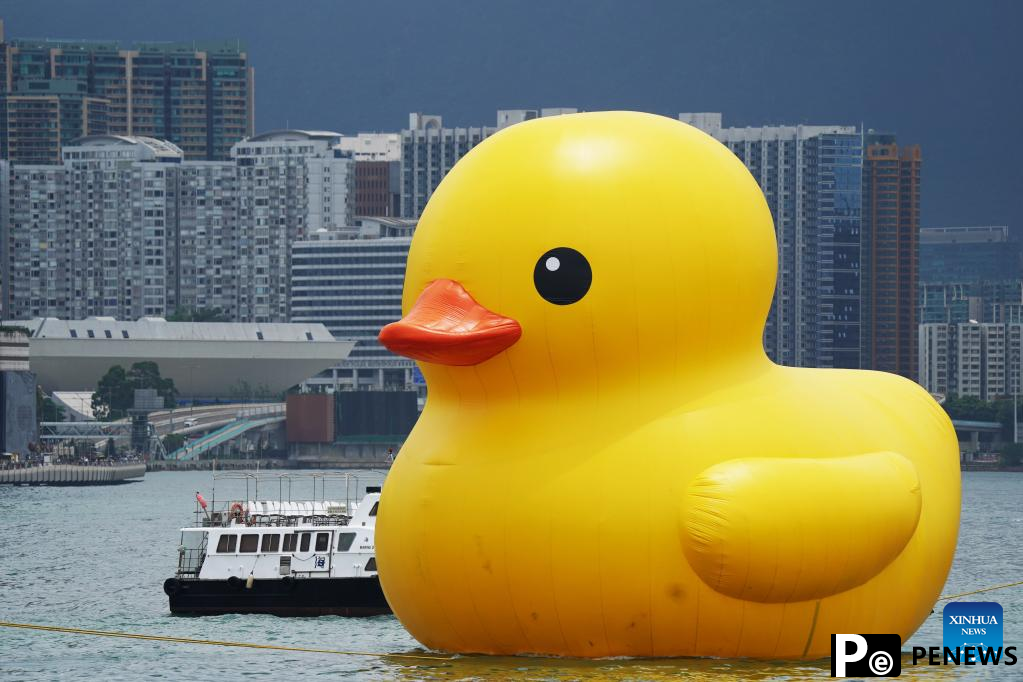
608 464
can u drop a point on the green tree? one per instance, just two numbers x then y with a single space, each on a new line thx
1011 455
147 375
199 315
969 407
115 393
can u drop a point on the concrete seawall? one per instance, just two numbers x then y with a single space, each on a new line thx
73 474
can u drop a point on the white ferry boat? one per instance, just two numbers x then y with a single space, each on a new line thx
283 557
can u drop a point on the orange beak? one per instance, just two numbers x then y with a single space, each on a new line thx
447 326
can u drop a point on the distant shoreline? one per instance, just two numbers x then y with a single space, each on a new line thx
261 464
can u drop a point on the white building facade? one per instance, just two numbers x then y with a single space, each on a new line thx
811 177
429 150
373 146
206 360
351 282
979 359
126 228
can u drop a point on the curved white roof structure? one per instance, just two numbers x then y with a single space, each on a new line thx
290 134
151 148
206 359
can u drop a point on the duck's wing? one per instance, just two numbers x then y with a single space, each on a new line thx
785 530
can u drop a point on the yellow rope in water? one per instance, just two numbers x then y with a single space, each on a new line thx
188 640
983 589
273 647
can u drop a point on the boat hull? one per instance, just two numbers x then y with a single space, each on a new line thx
284 597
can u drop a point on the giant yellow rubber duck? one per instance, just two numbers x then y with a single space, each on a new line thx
608 464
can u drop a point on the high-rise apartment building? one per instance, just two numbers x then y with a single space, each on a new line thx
126 227
198 96
969 254
979 359
351 281
79 240
969 273
38 117
429 150
888 267
291 183
811 177
377 172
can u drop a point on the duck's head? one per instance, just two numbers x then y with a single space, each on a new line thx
576 251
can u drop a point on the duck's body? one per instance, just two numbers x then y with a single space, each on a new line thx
511 546
608 485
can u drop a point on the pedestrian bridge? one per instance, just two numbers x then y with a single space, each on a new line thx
198 447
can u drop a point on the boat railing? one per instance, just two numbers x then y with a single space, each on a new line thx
232 515
265 521
281 507
190 560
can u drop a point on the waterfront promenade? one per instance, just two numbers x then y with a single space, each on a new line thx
73 474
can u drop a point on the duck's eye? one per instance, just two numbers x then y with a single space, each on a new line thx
562 276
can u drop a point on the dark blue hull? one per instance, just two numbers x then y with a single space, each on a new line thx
284 597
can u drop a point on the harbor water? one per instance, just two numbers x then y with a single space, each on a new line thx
96 558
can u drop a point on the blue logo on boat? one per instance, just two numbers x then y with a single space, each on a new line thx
976 624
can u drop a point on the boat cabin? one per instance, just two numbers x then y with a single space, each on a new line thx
274 540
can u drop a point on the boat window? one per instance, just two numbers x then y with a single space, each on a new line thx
371 565
373 511
226 543
290 540
250 542
344 541
322 542
305 541
271 541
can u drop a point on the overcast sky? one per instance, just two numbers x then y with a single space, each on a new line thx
946 75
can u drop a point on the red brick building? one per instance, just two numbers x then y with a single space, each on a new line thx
890 248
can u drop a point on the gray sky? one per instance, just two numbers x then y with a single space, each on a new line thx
946 75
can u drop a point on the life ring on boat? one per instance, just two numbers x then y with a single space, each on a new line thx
237 511
235 582
171 586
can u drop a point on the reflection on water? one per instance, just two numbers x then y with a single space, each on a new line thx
486 668
97 557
